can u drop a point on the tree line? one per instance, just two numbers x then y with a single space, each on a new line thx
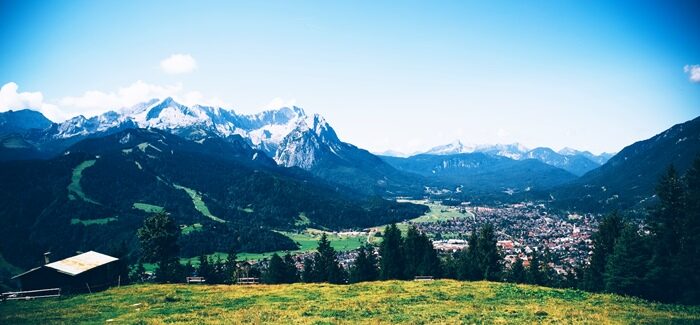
657 259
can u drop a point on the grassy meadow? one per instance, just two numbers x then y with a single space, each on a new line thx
442 302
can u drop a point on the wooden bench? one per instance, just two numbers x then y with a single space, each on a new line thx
196 279
248 280
423 278
31 294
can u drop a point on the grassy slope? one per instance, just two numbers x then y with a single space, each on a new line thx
378 302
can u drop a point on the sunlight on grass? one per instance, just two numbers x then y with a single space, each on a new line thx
74 188
199 204
443 301
148 208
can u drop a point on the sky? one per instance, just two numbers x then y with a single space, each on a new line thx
405 76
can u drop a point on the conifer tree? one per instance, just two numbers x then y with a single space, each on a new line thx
665 222
230 266
627 265
535 274
276 270
326 265
392 260
603 244
291 274
308 273
689 251
365 266
517 272
487 254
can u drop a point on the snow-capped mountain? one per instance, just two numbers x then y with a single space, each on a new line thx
512 151
311 137
571 160
289 135
600 159
264 131
576 163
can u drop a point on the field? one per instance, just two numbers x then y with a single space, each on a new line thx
199 203
148 208
307 241
74 188
444 301
437 212
101 221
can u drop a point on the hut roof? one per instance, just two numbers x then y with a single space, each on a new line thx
81 263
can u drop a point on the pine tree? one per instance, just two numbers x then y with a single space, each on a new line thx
420 256
308 274
230 266
326 265
291 274
468 260
628 264
665 222
392 260
689 251
603 244
138 273
365 266
487 254
535 273
517 272
276 270
205 269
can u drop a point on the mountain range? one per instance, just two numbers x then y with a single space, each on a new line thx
288 135
235 179
571 160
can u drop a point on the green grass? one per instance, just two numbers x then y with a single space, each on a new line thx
144 145
303 220
306 240
148 208
74 188
190 228
199 204
436 302
89 222
437 212
246 210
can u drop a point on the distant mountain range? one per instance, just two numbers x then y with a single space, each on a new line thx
571 160
480 172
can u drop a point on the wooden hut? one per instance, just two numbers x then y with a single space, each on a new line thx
86 272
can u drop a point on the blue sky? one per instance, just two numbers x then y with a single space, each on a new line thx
594 75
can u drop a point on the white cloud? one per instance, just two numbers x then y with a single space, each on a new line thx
279 102
95 102
11 99
178 64
693 72
502 133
